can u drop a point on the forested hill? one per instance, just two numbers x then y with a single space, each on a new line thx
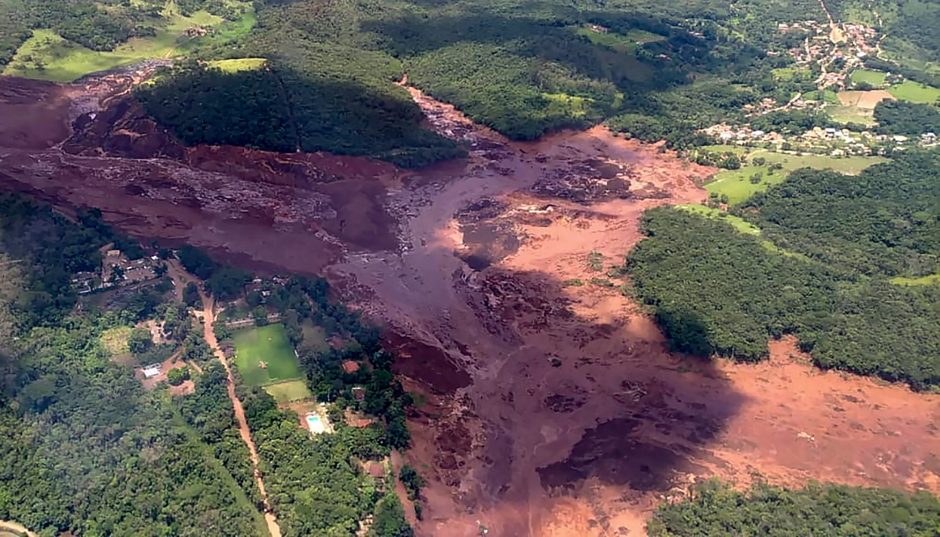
522 68
844 263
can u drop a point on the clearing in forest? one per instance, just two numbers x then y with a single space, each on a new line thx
864 99
743 183
48 56
264 356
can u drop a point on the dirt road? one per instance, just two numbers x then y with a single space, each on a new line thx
16 528
208 316
180 278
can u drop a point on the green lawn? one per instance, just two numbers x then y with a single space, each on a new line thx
736 184
915 92
115 340
874 78
268 344
291 390
736 222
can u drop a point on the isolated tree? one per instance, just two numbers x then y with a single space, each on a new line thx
140 341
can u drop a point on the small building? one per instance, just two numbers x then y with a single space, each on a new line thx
350 366
358 393
151 371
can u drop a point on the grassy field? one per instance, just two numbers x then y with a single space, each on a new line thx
852 114
741 226
874 78
47 56
736 184
725 148
625 42
289 391
915 92
268 344
933 279
736 222
115 340
239 64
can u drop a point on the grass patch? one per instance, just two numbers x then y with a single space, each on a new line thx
239 64
736 222
289 391
739 224
737 185
932 279
739 150
115 340
617 41
268 344
826 96
852 114
915 92
786 74
866 76
48 56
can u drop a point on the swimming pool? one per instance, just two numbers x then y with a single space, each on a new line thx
315 424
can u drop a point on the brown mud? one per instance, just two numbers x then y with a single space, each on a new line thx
550 405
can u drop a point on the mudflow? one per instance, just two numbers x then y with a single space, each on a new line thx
549 403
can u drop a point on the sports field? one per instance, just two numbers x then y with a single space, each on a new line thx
873 78
264 355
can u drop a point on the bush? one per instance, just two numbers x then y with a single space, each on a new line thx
177 376
140 341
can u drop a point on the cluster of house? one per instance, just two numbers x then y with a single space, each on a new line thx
116 270
837 142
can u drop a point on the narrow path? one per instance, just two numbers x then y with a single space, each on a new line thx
244 431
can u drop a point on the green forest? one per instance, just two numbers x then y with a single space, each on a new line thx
821 269
714 509
83 448
650 71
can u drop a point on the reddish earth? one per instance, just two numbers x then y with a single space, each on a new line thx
549 408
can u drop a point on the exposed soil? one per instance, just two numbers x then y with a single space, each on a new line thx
549 408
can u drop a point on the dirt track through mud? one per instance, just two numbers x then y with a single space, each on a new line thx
552 406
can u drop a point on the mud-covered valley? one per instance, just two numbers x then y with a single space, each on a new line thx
550 403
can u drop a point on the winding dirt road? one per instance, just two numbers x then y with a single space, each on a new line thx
181 278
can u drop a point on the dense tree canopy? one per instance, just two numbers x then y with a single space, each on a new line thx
817 510
83 448
716 290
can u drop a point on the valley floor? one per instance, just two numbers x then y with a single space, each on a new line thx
551 405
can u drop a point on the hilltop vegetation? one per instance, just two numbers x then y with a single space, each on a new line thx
715 290
817 510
